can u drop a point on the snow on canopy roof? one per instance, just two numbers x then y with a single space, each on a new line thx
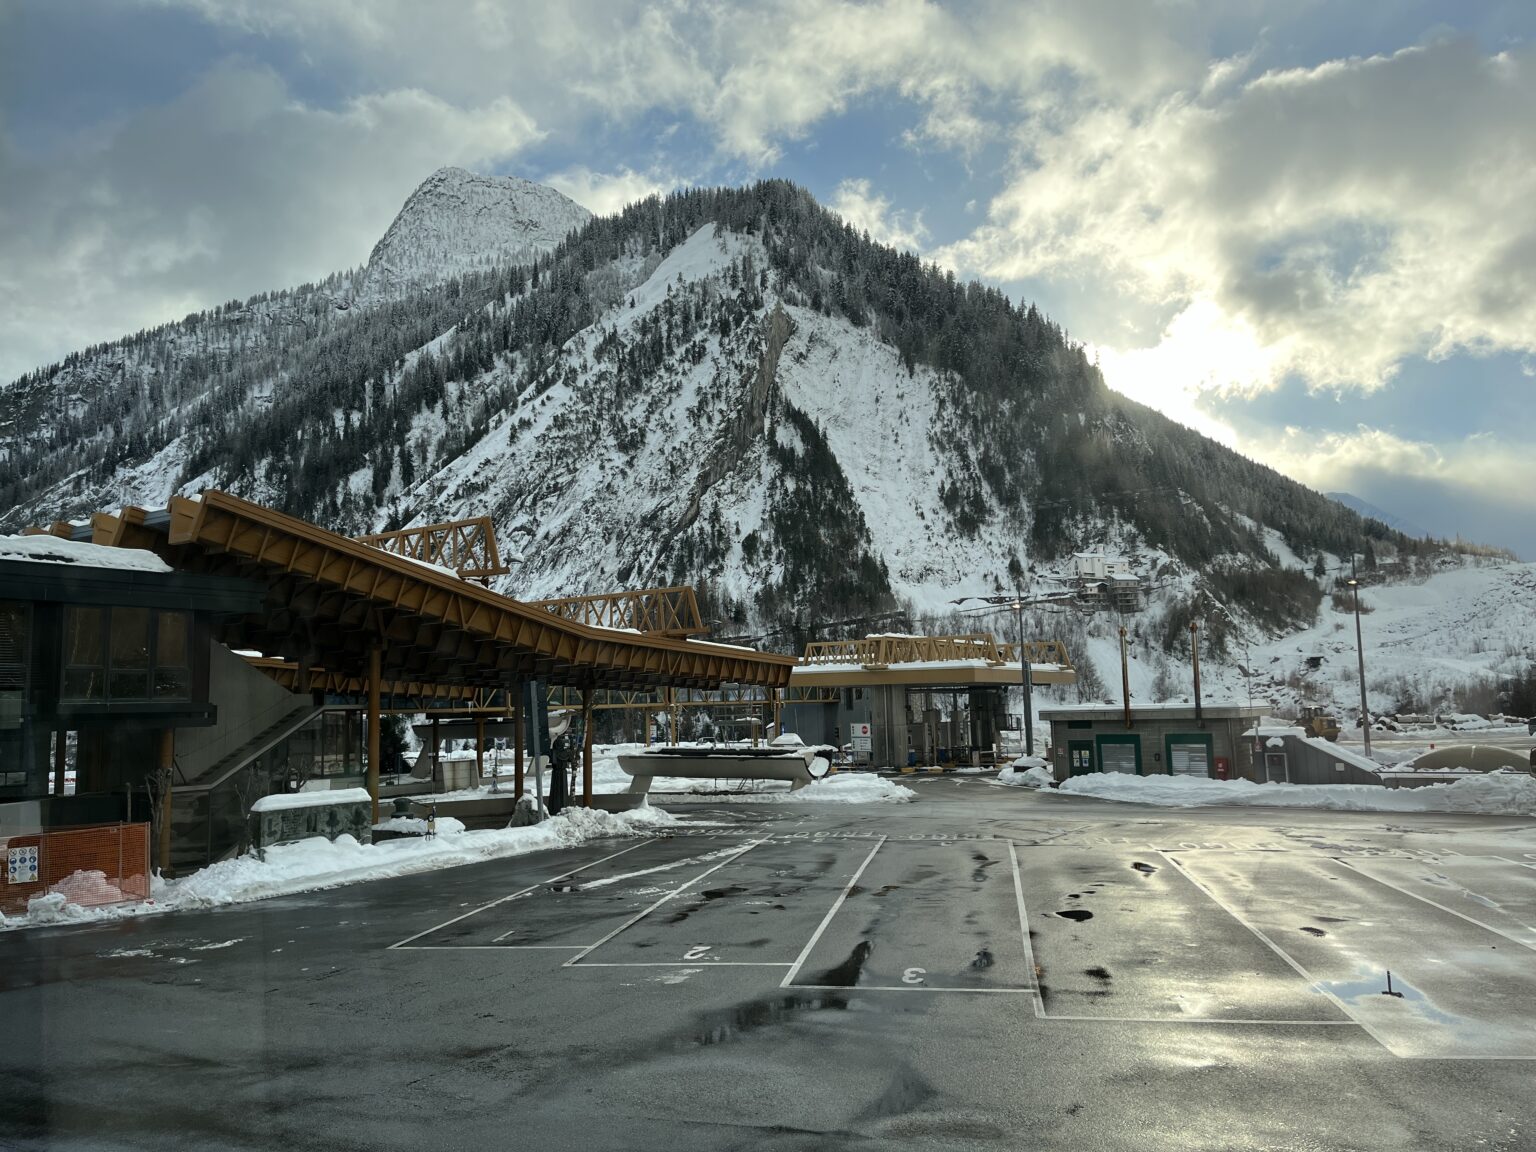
1160 706
44 549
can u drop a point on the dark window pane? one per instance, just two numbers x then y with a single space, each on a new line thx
172 683
129 685
130 638
172 642
13 644
84 683
82 635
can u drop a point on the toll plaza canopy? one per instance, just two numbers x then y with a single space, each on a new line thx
972 660
331 602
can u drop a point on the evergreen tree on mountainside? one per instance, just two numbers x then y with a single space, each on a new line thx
333 411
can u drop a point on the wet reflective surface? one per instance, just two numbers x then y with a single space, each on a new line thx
1004 972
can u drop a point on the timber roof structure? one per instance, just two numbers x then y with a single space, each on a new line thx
329 600
969 660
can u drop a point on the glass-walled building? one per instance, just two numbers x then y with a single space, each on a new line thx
100 656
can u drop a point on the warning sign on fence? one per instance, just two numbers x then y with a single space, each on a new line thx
21 865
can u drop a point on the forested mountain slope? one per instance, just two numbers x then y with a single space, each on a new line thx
728 387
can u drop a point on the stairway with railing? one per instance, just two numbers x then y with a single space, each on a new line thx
207 821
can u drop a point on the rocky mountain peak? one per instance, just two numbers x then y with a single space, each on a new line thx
459 221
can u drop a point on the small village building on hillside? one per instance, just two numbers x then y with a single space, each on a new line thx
1153 739
1107 582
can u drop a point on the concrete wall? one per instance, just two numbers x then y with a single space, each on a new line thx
813 723
248 703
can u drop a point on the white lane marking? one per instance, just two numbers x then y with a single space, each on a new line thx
492 947
737 855
684 964
1203 1020
855 989
827 919
1029 949
1435 904
1311 980
522 892
619 879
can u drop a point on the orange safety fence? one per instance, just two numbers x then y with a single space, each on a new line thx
101 864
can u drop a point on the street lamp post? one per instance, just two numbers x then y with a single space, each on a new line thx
1365 715
1024 673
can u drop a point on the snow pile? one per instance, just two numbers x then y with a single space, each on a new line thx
85 888
417 826
851 788
54 908
1027 772
1032 777
1493 794
321 863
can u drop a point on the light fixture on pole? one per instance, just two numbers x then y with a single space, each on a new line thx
1365 715
1024 675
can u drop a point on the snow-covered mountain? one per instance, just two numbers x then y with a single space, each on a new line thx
458 222
725 387
1366 508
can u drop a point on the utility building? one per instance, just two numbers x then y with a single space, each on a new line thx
1152 739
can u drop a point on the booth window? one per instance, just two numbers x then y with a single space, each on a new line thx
129 679
85 674
173 665
15 618
126 653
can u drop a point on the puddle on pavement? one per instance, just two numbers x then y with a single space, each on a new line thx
984 959
1372 990
1078 914
732 1024
1311 931
1098 973
846 974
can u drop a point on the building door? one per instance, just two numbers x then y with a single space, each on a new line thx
1120 754
1189 754
1079 757
1275 769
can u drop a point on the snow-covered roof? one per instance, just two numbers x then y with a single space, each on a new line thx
1219 709
282 801
56 550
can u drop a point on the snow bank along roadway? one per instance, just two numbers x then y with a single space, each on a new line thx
982 968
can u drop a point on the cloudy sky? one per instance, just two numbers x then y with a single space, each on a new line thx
1305 228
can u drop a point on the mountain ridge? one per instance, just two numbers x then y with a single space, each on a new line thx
725 387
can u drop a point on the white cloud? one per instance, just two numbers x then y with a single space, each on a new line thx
1327 222
868 211
604 193
756 73
233 188
1335 461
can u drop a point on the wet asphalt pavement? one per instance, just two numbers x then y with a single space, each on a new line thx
986 968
